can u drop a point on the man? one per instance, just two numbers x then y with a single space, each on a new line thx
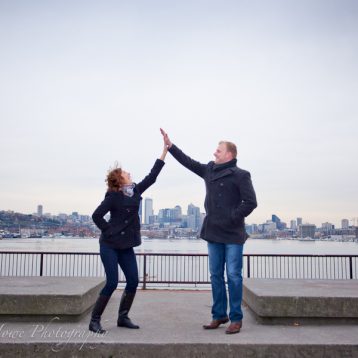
230 197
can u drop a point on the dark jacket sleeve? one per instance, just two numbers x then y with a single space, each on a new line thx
100 212
187 162
151 177
248 196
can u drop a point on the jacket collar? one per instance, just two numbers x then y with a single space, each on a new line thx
224 169
219 167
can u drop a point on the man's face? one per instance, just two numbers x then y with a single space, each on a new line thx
222 155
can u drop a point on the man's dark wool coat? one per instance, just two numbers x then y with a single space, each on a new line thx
230 197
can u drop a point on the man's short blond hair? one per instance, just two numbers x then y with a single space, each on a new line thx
230 147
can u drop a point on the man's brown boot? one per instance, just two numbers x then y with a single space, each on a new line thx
234 327
215 323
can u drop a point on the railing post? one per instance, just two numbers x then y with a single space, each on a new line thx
350 268
41 263
248 266
144 271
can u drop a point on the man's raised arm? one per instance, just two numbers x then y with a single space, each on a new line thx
191 164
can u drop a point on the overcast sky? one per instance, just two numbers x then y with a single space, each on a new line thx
85 83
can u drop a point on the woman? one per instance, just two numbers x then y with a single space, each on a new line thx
119 235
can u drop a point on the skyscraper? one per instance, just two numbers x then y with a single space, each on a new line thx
148 209
345 224
299 221
165 215
177 214
193 217
279 224
293 225
140 212
39 210
275 219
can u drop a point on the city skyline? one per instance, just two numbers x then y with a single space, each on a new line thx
86 84
290 222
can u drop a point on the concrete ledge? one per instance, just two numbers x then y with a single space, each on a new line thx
318 301
40 297
171 326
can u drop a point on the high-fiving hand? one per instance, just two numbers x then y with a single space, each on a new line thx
166 139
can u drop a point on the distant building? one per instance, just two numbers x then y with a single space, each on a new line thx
275 219
63 216
293 225
170 216
279 224
177 213
327 228
299 221
85 218
194 217
191 222
251 229
345 224
39 210
268 227
140 212
307 230
148 210
165 215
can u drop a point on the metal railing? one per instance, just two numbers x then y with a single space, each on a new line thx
335 267
165 269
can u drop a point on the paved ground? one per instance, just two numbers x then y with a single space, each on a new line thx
171 325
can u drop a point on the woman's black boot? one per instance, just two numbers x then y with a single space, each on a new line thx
95 323
124 307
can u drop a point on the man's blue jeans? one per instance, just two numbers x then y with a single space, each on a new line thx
231 255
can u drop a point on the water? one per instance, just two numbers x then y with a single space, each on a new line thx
174 269
185 246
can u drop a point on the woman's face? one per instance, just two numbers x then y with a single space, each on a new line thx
126 177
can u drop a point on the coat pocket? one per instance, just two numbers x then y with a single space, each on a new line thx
236 218
108 232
